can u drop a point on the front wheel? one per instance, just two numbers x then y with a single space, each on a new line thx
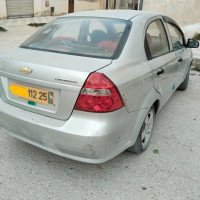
145 134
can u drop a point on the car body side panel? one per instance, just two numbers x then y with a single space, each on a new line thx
135 86
165 83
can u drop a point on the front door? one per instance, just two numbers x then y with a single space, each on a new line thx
180 51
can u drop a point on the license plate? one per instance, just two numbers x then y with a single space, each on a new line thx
32 94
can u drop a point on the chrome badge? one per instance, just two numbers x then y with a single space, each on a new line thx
25 70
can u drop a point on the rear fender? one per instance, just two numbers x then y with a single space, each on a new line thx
139 116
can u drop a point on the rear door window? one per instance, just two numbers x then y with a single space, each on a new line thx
156 39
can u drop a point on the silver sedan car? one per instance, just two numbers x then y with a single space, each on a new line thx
88 85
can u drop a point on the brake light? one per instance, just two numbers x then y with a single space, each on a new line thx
99 94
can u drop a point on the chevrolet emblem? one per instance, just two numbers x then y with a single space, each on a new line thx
25 70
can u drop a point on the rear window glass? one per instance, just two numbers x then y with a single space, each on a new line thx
93 37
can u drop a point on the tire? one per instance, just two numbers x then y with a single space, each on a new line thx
145 135
184 84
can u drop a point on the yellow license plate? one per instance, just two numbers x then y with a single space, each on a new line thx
32 94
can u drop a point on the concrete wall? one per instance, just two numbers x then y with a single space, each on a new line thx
3 12
183 11
81 5
42 7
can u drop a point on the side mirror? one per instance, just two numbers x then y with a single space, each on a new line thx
192 43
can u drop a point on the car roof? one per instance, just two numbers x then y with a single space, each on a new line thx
117 14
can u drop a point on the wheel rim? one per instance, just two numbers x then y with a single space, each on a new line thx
147 128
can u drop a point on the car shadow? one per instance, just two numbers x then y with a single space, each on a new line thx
29 153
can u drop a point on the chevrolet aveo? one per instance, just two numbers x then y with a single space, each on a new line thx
88 85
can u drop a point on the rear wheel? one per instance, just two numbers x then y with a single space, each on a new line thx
145 134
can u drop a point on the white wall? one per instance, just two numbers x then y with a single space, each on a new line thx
3 12
183 11
61 6
43 9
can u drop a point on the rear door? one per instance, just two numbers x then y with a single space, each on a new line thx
160 59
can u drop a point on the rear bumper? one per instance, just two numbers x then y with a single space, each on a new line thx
86 137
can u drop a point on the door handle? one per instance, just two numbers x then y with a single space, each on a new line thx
180 59
160 71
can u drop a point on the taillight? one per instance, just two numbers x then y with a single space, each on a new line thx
99 94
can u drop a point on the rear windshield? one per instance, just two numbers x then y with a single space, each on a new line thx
92 37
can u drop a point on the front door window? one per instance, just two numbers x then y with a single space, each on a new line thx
176 36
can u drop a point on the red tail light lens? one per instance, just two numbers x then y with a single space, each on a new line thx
99 94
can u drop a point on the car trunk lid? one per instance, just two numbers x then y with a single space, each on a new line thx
58 77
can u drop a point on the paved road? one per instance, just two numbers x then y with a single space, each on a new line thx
27 172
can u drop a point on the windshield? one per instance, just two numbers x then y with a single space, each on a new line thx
93 37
